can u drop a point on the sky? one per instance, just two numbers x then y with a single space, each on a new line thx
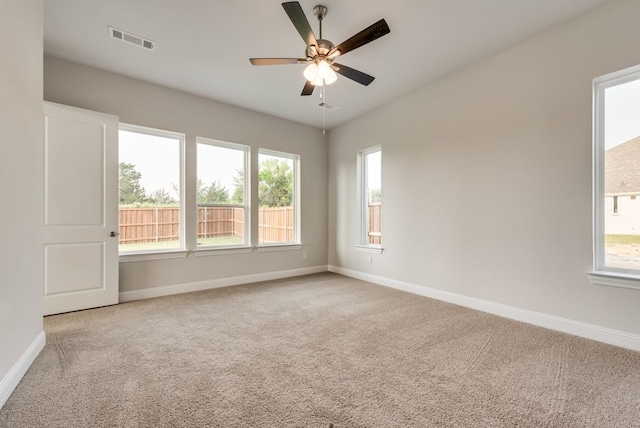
374 173
219 164
156 158
622 113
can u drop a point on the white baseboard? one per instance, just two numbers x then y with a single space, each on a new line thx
128 296
11 380
576 328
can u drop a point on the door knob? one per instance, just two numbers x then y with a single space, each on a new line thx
114 234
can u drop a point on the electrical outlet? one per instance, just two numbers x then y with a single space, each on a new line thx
304 255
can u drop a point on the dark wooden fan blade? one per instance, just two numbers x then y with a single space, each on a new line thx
308 89
299 20
277 61
353 74
365 36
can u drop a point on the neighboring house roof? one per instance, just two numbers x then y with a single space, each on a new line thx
622 168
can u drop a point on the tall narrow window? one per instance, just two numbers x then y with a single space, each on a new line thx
278 212
221 194
370 196
151 190
617 173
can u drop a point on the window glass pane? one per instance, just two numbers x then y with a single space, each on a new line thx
372 193
622 176
220 194
277 216
149 191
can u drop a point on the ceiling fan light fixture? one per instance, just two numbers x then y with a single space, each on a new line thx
318 81
320 74
321 53
324 70
332 77
311 72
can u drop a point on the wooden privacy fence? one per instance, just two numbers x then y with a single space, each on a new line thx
158 224
375 211
275 224
148 224
214 222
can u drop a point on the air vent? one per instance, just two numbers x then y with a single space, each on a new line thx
132 39
328 106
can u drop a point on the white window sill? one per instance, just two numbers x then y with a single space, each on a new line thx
373 249
203 252
279 247
212 251
614 279
138 257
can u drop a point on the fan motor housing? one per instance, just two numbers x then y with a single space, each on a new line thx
323 48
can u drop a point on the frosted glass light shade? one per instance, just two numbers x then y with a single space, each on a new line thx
320 74
332 77
324 70
311 72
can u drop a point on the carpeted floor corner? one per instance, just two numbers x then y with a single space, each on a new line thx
316 351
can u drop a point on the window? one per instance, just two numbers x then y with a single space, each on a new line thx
221 194
151 190
152 214
370 196
278 206
617 175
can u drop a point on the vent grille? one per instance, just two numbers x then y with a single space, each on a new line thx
132 39
328 106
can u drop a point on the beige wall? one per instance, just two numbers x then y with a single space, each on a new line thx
146 104
487 176
21 178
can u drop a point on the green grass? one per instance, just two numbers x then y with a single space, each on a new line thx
173 245
222 240
622 239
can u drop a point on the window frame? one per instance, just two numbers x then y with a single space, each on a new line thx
296 243
181 251
362 205
246 197
602 274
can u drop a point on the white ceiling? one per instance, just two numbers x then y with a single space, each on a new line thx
204 46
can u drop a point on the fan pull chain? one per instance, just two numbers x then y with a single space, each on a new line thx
324 104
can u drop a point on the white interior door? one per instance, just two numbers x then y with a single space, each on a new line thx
81 209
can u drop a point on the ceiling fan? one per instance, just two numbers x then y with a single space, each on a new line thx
321 53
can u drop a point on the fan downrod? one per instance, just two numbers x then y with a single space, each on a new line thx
324 46
320 12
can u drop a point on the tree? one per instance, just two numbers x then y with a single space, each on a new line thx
238 183
215 193
375 195
131 192
275 183
161 197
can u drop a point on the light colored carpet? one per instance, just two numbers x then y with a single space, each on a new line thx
313 351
